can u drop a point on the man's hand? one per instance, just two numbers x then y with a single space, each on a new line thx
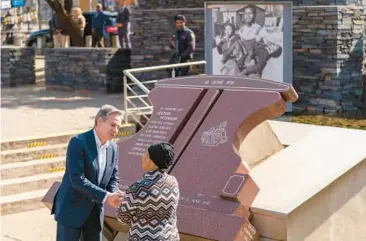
119 25
122 194
93 29
114 199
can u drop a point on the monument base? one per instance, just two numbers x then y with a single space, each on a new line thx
259 144
314 189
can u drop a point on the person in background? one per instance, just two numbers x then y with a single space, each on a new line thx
59 33
184 44
9 27
231 49
263 51
79 19
150 204
98 25
251 29
123 23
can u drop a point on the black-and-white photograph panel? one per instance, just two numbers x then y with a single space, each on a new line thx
249 38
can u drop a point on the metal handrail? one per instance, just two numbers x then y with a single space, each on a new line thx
128 74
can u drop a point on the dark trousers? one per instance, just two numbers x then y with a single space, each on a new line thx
97 40
90 231
124 38
178 71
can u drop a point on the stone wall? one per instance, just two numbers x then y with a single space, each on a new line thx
327 58
150 45
153 4
96 69
17 66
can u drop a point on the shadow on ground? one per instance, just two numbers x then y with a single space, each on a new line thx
39 98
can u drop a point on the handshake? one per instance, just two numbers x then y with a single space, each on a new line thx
115 199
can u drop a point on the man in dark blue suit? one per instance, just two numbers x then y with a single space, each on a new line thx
90 180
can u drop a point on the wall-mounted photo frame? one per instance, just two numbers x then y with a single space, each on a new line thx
249 38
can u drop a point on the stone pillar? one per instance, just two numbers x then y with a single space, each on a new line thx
41 43
328 46
88 41
65 41
17 66
80 68
115 42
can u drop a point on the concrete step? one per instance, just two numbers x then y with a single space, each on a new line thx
28 143
40 76
22 202
60 138
33 152
29 168
29 183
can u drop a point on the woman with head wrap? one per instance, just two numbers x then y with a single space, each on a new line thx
150 204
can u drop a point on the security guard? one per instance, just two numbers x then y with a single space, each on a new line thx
183 43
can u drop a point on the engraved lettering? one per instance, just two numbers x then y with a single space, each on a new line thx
157 130
218 82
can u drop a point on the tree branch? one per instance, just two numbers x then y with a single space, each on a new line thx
69 25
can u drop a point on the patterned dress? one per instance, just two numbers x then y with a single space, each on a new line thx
150 207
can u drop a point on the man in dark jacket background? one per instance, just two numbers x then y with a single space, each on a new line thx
59 34
123 24
183 42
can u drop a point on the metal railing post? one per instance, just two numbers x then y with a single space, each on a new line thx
125 98
146 109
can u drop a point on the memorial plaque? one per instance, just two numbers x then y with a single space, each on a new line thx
205 117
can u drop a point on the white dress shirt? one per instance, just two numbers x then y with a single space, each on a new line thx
102 156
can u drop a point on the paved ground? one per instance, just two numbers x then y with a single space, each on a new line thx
27 111
36 225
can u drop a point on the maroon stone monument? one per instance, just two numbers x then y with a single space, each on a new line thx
206 118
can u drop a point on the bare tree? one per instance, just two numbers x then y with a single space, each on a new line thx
39 15
64 16
68 6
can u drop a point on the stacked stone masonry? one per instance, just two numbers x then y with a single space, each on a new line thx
327 57
17 66
150 45
95 69
153 4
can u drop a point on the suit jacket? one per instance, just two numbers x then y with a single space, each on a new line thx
80 191
99 22
124 18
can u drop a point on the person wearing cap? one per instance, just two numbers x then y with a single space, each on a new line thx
150 204
183 42
90 180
